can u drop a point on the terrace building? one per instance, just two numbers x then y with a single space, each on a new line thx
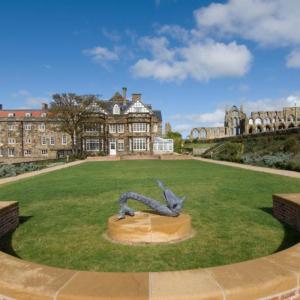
123 127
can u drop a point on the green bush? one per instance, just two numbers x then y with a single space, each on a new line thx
230 151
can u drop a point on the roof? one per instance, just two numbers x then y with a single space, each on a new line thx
21 112
106 105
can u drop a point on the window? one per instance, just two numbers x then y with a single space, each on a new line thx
137 107
27 152
120 128
11 152
91 127
120 145
163 145
112 128
11 141
43 140
64 140
116 109
11 127
42 127
139 127
28 140
27 126
92 145
139 144
11 115
44 152
52 140
28 115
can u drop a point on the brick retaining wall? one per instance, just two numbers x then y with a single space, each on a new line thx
9 216
286 208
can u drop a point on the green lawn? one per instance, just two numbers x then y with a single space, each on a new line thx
64 215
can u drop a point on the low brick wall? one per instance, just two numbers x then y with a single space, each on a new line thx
286 208
9 216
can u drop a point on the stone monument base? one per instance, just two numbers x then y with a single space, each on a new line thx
147 227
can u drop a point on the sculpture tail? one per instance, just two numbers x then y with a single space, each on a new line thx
160 184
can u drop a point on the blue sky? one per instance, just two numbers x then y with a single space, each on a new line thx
189 58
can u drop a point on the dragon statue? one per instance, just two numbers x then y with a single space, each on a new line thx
172 208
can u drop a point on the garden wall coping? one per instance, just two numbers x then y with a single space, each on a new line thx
271 277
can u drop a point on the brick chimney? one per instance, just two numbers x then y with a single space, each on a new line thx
136 97
44 106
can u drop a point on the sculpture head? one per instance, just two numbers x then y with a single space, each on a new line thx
176 204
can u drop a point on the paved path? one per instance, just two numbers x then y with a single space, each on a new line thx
78 162
39 172
253 168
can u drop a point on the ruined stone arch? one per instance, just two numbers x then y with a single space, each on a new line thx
195 134
268 128
258 121
259 128
251 129
291 125
203 134
281 126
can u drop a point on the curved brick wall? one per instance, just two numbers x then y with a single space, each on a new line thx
272 277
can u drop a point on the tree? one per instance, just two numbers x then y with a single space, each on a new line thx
177 138
71 111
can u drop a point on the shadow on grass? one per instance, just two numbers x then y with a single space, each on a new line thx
6 240
291 235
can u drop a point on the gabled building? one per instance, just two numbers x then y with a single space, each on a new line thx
123 127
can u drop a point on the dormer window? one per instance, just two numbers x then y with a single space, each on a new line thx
116 109
11 115
28 115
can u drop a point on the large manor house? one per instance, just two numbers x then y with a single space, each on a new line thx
123 127
236 122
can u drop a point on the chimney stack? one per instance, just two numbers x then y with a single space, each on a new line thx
44 106
124 91
136 97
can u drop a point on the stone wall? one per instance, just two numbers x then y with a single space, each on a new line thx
273 277
9 216
286 208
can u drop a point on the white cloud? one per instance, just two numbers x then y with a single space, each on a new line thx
201 61
271 104
20 93
101 55
112 35
268 22
182 127
215 117
174 31
293 59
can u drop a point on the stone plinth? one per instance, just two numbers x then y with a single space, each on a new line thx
146 227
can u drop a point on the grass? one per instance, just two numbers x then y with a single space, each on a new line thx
64 215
